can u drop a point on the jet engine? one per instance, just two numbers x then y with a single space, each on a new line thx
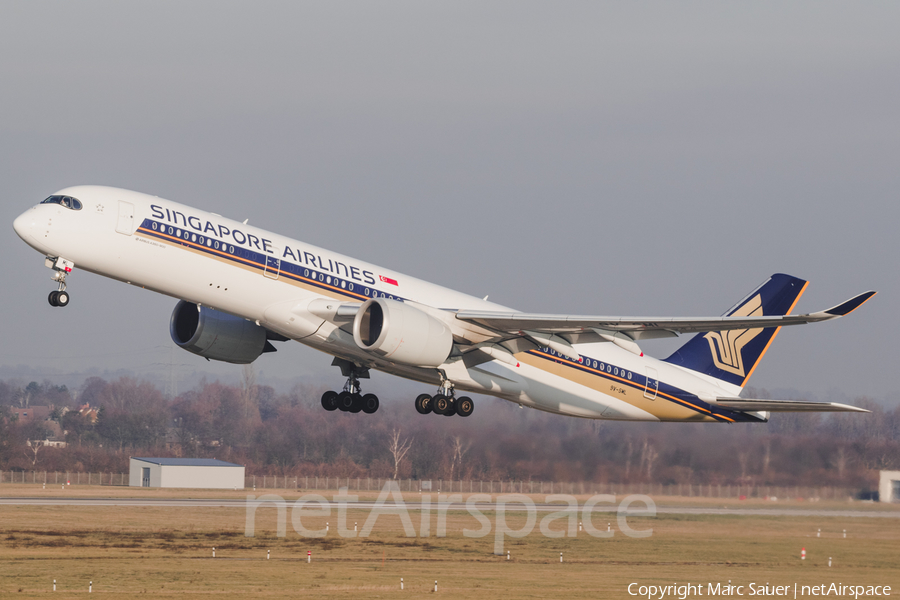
401 333
216 335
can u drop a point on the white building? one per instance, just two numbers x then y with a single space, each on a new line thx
207 473
889 486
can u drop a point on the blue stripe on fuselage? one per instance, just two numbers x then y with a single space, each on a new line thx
258 260
639 382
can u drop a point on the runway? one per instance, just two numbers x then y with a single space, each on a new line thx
637 509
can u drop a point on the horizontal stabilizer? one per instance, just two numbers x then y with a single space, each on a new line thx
751 404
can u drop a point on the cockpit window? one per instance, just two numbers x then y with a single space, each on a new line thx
67 201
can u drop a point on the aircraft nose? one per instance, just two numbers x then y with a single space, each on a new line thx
24 224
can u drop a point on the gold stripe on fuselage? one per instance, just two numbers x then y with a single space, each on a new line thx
665 407
321 288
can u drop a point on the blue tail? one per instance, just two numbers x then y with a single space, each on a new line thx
733 355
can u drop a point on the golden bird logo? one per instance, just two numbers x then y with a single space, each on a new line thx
727 346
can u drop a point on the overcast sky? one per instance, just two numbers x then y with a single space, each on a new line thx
578 157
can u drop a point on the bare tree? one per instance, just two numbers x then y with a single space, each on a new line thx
398 449
767 455
34 448
648 458
629 450
249 391
840 461
744 460
459 449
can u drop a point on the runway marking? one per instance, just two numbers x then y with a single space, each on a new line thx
453 506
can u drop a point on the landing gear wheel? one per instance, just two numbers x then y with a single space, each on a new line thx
329 400
52 298
356 404
424 404
62 298
451 409
441 404
345 401
464 406
370 403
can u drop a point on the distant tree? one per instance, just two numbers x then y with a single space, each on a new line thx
398 449
458 449
32 452
75 425
28 393
649 455
8 394
91 391
7 429
133 413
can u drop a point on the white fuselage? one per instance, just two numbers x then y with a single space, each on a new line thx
261 276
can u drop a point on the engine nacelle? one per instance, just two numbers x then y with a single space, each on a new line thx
401 333
216 335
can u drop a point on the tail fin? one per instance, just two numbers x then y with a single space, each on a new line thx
732 356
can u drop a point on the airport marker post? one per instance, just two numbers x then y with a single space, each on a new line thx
309 556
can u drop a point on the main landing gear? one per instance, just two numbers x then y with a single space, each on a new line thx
444 403
350 399
61 267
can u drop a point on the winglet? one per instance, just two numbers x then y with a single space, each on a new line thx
850 305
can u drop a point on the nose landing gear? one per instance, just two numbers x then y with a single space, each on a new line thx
61 267
59 298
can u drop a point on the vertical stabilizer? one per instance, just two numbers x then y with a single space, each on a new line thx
733 355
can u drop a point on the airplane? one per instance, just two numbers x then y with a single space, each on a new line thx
240 288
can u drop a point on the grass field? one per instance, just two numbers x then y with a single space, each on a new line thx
167 552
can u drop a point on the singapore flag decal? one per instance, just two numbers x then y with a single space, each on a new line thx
388 280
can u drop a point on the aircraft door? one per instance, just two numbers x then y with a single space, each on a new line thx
273 266
125 224
652 386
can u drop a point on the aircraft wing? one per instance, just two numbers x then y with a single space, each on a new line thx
517 323
750 404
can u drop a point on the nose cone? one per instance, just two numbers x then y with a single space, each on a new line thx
23 224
